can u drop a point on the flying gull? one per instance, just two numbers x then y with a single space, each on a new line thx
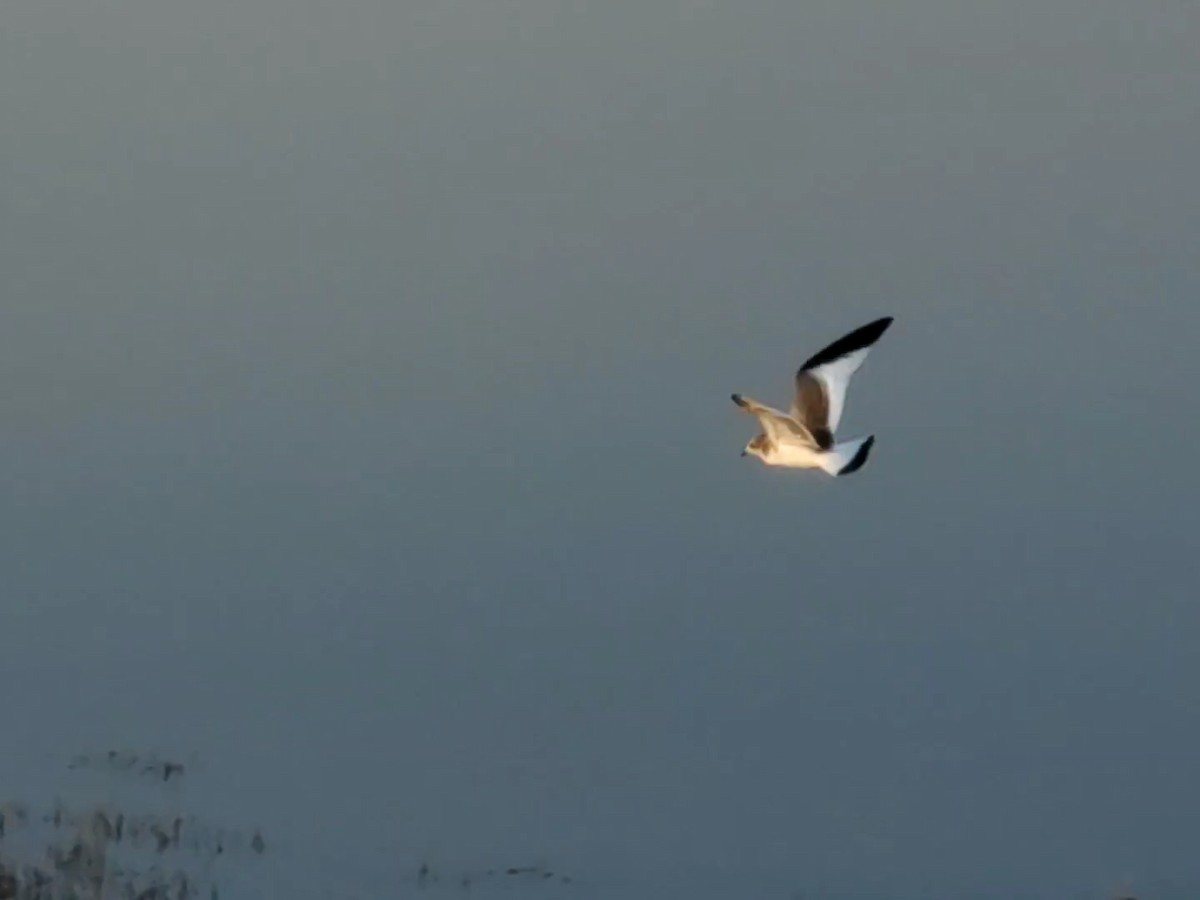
803 437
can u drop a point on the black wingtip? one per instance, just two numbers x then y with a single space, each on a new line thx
856 340
860 457
737 398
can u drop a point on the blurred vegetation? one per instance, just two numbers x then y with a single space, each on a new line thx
103 852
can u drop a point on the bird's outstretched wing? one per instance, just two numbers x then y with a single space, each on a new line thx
776 425
822 381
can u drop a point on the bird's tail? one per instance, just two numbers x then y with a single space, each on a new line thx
847 457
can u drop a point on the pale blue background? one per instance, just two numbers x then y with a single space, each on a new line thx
366 435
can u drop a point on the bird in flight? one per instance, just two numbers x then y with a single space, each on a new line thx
803 437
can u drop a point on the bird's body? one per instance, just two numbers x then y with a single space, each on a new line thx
802 438
793 455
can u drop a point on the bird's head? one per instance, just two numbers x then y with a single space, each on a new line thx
758 446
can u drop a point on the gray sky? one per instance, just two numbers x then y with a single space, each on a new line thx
367 435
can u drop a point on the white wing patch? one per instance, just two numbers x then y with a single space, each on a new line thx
835 378
833 366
